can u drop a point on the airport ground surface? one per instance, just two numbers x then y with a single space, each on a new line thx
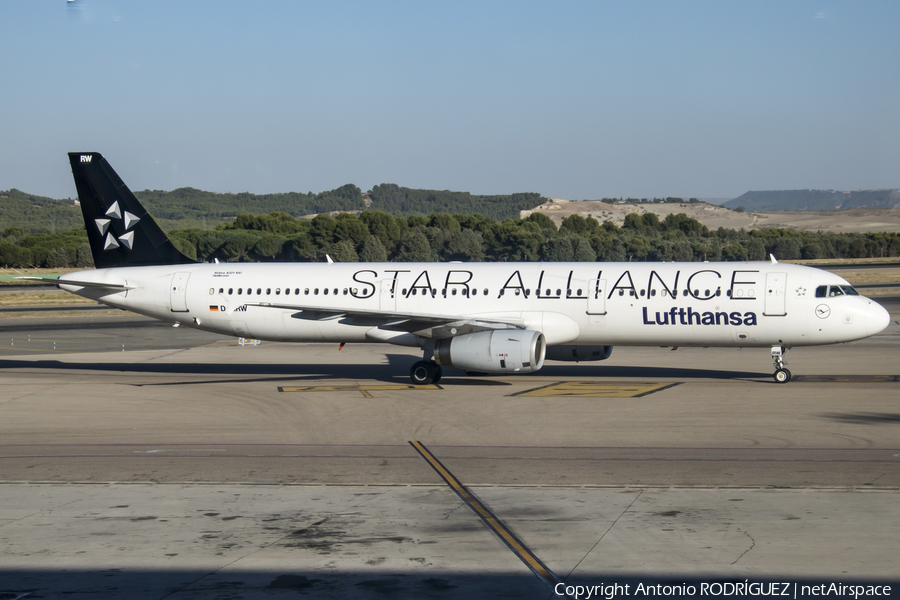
187 466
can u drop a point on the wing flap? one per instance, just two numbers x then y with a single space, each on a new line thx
422 324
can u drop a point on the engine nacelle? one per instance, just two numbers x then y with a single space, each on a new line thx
578 353
502 351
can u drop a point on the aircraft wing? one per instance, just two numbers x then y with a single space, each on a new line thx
94 284
423 324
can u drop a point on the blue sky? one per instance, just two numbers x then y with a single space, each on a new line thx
573 99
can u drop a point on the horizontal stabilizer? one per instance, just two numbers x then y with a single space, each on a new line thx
91 284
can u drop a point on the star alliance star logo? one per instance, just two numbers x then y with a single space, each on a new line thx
126 239
801 291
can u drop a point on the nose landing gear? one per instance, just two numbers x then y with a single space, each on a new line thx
782 375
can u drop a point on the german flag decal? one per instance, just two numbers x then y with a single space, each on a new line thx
213 308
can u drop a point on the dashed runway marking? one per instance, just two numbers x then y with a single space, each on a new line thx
364 389
847 378
596 389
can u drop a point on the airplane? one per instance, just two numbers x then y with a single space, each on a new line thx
497 318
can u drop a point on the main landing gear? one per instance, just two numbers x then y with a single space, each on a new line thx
425 372
782 375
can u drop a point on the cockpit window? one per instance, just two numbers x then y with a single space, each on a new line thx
835 290
822 291
849 290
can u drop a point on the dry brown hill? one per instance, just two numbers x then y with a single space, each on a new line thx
856 220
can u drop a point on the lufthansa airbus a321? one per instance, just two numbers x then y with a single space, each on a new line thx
480 317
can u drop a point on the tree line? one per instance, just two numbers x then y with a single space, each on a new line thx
189 207
376 236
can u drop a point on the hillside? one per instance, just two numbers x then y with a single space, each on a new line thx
816 200
850 220
186 208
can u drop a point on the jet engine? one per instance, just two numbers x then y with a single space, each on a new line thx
578 353
501 351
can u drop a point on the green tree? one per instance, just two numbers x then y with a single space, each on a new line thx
84 259
58 258
756 250
344 252
268 247
414 247
542 220
558 249
373 250
583 251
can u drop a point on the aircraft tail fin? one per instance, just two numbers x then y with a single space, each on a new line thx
121 232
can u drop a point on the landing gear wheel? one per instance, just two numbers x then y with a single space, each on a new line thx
423 372
438 372
782 376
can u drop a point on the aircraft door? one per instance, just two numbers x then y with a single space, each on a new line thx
597 297
776 286
386 298
178 292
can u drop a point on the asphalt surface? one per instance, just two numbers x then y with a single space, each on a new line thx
187 466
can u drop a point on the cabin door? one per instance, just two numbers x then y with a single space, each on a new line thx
776 286
178 292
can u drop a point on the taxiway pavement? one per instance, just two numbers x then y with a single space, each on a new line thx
187 466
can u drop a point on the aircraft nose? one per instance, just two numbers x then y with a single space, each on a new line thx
877 318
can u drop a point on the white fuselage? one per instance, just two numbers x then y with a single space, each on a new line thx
633 304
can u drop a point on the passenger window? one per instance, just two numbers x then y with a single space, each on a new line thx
306 291
221 291
258 291
240 291
297 291
474 292
642 293
345 291
518 291
485 291
230 291
249 291
653 293
316 291
579 292
268 291
287 291
325 291
453 292
621 292
335 291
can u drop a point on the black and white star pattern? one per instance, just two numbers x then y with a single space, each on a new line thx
126 239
